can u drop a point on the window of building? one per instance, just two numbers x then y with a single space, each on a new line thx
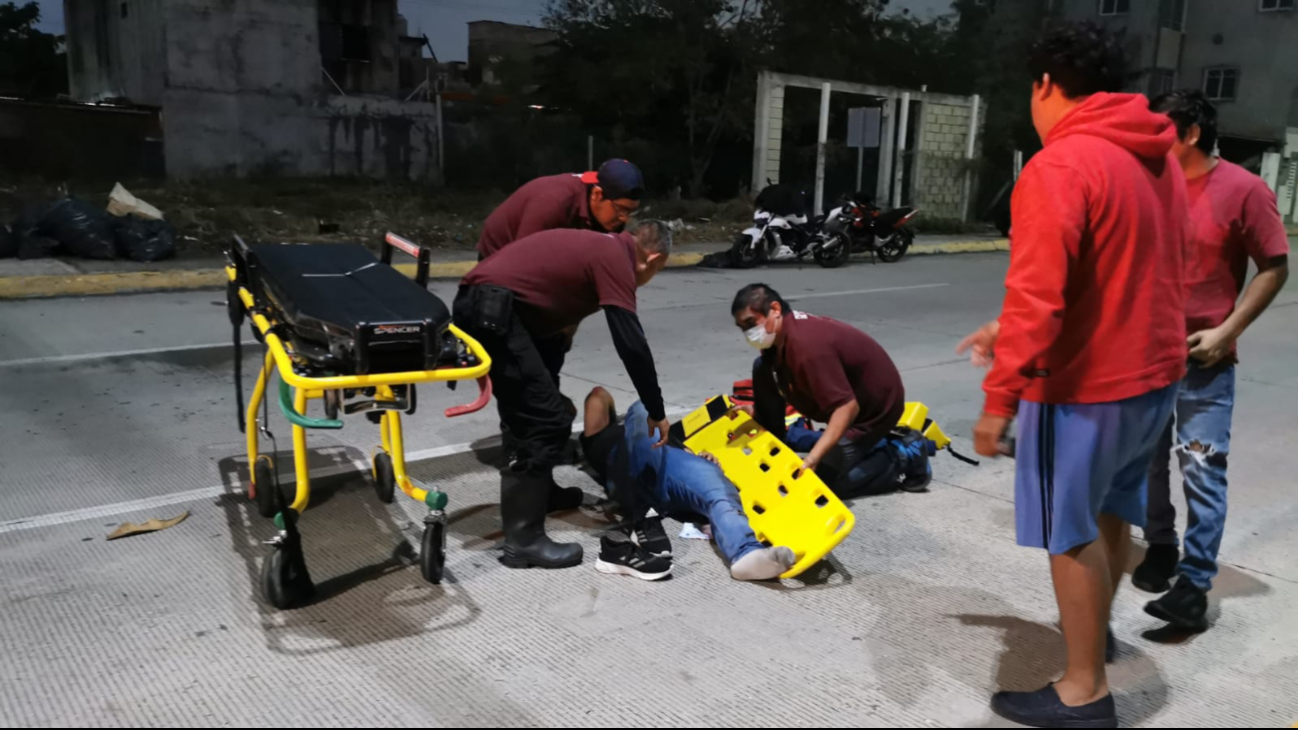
1171 14
1115 7
1268 6
1221 84
1161 81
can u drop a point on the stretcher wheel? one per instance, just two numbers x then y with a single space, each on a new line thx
432 552
285 582
264 486
385 478
333 403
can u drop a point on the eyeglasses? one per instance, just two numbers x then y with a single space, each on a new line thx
623 211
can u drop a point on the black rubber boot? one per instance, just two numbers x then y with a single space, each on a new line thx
1155 574
524 500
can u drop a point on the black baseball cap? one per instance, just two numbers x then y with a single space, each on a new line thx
620 180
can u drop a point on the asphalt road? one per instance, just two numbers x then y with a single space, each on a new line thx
122 409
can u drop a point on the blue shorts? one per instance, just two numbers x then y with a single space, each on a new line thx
1076 462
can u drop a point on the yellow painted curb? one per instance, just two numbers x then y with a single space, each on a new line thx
85 285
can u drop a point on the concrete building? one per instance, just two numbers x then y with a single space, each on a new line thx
1241 52
505 53
262 87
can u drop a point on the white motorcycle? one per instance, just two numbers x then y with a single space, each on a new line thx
777 237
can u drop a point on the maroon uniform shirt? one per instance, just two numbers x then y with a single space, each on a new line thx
825 364
560 277
546 203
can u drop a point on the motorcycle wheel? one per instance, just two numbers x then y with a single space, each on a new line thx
893 249
835 255
747 253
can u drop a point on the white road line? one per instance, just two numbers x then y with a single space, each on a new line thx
818 295
55 359
195 495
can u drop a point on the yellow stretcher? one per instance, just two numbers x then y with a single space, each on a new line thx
786 506
263 288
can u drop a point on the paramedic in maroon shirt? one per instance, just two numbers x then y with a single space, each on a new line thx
525 294
594 201
833 374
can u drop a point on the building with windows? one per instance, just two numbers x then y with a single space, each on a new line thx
265 87
1242 53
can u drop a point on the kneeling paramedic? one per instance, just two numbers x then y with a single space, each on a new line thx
670 480
834 374
529 292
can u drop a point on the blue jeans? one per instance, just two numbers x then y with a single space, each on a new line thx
674 480
1202 423
852 469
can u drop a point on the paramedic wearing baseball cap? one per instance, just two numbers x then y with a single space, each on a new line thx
599 201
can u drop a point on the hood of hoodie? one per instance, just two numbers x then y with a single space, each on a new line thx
1123 119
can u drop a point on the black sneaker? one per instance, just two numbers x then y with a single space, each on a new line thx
1043 708
918 471
650 535
1185 607
1155 574
619 556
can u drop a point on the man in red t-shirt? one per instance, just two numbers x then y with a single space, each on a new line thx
1089 347
529 292
599 201
837 375
1234 219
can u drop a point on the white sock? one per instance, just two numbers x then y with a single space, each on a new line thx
766 564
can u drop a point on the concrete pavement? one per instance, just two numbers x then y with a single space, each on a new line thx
122 409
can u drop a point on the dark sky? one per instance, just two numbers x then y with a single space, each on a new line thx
446 21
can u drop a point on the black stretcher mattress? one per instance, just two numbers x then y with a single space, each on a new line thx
367 316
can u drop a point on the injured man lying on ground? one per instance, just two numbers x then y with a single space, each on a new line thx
670 480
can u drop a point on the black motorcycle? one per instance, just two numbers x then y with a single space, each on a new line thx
861 227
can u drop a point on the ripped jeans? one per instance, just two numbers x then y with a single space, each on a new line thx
1202 446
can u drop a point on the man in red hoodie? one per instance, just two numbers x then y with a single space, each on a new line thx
1089 347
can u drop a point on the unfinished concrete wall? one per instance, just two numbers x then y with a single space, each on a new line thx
116 48
940 159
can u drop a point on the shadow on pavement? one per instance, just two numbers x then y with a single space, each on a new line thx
360 555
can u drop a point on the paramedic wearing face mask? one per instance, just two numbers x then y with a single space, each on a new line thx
836 375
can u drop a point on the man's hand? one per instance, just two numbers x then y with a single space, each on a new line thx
663 427
811 462
981 345
1211 346
747 408
708 455
989 435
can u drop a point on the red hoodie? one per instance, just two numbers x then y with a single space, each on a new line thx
1095 305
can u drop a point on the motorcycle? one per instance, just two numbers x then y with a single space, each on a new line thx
781 231
861 227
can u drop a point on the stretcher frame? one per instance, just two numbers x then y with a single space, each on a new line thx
286 582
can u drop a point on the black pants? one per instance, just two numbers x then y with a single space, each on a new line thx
528 400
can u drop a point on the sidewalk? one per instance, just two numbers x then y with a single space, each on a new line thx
43 278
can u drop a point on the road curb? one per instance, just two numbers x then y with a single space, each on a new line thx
138 282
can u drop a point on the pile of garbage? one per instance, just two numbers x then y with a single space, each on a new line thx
130 229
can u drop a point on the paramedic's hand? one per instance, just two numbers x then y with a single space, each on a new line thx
811 462
989 435
981 345
1211 346
711 458
663 427
746 408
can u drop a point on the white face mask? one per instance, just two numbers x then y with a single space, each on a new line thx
759 338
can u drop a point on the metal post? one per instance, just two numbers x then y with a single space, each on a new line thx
1018 164
441 140
971 147
822 142
860 167
590 152
903 125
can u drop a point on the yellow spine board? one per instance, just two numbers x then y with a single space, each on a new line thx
785 505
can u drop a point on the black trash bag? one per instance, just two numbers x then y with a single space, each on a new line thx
27 240
718 260
139 239
82 229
